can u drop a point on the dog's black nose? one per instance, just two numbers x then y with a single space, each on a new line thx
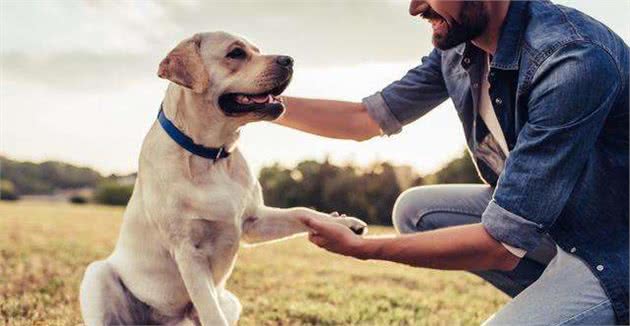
285 61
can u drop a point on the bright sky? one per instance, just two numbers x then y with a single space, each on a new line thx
78 78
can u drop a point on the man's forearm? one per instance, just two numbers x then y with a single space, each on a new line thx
467 247
328 118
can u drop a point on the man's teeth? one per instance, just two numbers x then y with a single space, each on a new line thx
260 99
437 22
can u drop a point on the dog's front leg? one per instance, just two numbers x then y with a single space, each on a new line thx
194 268
271 223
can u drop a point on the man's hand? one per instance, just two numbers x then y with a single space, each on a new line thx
333 237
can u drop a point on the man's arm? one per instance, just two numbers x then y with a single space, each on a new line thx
467 247
385 112
328 118
572 94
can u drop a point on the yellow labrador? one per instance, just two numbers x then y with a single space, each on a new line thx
195 197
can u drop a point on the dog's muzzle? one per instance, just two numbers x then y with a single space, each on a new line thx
266 104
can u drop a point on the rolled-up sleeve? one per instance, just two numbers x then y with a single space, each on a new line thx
510 228
571 96
380 112
409 98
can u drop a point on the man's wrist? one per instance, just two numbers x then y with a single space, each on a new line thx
365 249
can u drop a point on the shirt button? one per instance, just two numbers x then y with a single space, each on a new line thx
573 250
498 101
600 268
467 60
475 85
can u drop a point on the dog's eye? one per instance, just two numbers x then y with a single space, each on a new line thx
236 53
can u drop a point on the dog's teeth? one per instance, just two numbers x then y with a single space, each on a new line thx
243 99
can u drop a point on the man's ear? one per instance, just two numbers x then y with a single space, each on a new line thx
184 66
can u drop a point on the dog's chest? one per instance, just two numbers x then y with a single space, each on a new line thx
232 193
229 185
219 241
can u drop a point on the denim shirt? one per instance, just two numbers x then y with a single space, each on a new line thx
559 88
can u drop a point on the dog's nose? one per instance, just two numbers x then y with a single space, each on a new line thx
285 61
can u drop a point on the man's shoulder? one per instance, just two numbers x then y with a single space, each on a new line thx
551 27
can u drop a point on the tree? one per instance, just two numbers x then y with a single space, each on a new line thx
366 193
111 193
459 170
7 191
44 178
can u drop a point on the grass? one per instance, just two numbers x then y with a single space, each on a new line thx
44 249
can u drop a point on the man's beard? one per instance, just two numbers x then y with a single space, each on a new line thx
473 21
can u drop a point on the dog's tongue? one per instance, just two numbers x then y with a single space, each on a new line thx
260 98
248 99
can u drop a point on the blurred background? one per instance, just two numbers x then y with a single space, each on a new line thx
79 91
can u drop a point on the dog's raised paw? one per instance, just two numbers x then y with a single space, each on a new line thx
359 230
356 225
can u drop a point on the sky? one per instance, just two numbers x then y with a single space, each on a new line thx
78 78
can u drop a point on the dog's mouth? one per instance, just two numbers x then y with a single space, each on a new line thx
266 103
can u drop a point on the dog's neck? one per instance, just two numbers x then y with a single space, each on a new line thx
196 118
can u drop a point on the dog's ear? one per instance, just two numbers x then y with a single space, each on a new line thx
184 66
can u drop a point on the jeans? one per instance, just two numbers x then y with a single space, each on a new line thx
549 286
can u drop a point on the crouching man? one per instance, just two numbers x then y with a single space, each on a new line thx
542 93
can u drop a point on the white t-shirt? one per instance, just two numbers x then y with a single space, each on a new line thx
486 111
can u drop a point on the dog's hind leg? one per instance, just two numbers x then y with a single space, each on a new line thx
105 300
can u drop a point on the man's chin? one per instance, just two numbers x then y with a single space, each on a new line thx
446 42
439 43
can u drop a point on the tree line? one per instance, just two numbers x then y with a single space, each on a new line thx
366 192
43 178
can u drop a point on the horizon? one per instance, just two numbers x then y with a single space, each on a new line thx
361 168
81 87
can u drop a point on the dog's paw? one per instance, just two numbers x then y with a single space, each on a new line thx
356 225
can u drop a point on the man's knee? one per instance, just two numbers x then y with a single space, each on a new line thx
428 208
410 206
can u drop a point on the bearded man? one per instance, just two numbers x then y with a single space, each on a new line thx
542 94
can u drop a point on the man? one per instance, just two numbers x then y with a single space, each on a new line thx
542 93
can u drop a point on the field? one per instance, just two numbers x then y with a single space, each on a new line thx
45 247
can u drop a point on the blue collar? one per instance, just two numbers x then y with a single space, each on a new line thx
187 143
509 46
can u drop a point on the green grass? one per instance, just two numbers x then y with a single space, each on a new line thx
45 247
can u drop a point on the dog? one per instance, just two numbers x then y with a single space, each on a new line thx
195 198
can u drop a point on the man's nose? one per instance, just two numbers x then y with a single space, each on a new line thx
285 61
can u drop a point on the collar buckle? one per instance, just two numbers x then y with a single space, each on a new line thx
219 153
